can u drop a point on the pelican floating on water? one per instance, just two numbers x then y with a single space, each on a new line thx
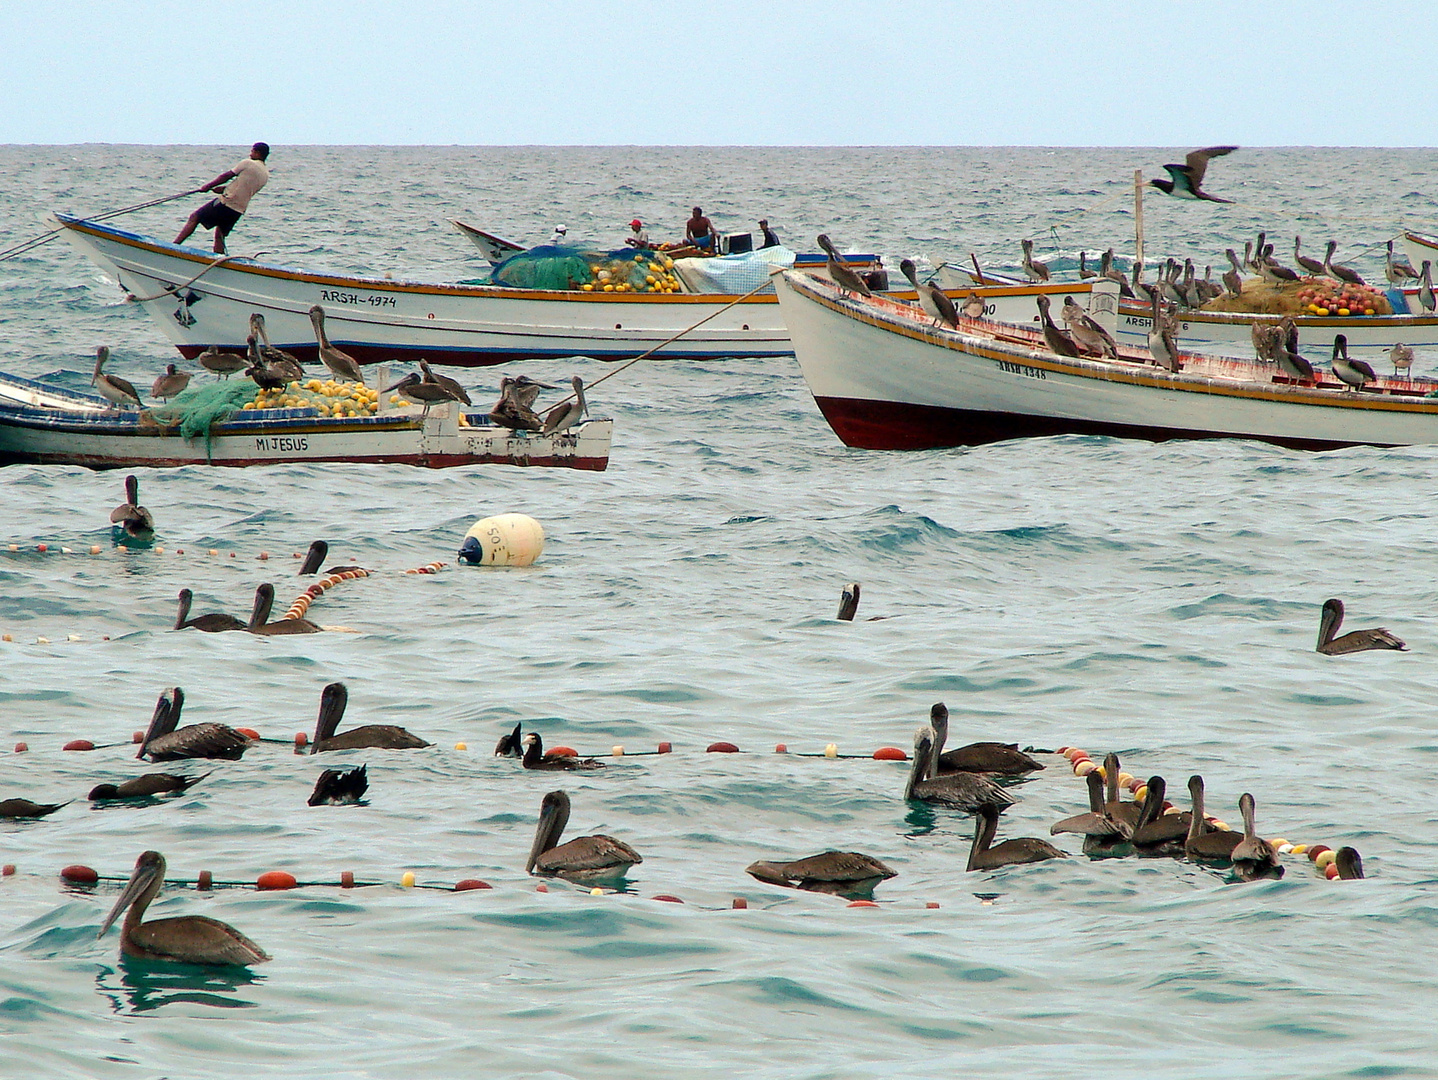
566 414
977 757
840 272
186 939
848 602
932 299
1024 849
340 787
1253 857
534 758
132 518
1186 180
264 603
333 700
141 787
1213 845
837 873
24 808
1095 822
961 791
585 858
509 744
171 383
1354 640
341 363
163 742
1158 833
1350 865
113 388
213 623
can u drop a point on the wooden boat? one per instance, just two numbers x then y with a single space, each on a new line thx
50 425
886 379
1421 248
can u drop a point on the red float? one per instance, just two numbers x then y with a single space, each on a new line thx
276 879
79 875
722 748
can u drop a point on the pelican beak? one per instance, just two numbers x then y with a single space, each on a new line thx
333 700
142 879
553 816
158 721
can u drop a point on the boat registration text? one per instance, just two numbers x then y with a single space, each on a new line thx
1021 369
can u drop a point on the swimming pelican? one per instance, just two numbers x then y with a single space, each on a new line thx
1350 865
585 858
1356 373
973 305
1084 272
1354 640
1157 833
1037 271
333 700
1161 341
1398 272
1233 279
186 939
509 744
112 387
1125 815
140 787
313 558
259 616
211 624
1093 823
1402 357
977 757
840 272
130 516
837 873
24 808
534 758
340 787
222 362
1056 340
1215 845
171 383
1025 849
1342 273
1425 289
458 392
932 299
162 742
848 602
1313 267
960 791
564 416
283 362
341 363
1087 331
1253 857
1186 180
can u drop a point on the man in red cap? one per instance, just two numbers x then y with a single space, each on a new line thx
640 239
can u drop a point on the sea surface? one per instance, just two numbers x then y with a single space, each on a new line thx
1160 601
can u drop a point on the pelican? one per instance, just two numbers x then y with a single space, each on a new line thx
515 407
1026 849
162 742
171 383
848 602
1086 331
977 757
1161 341
585 858
211 624
932 299
112 387
1233 279
1253 857
222 362
259 615
509 744
1272 270
1354 640
316 554
1125 815
1037 271
1168 283
1215 845
1084 272
413 387
565 415
1350 865
1186 180
186 939
333 700
837 873
1054 338
1157 833
341 363
282 361
1093 823
1402 357
973 305
1312 266
1356 373
1137 282
458 392
1398 272
132 518
1342 273
534 757
24 808
263 375
340 787
840 272
140 787
1108 270
1286 351
1267 340
959 791
1425 290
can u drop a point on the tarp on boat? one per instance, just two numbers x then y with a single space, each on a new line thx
732 274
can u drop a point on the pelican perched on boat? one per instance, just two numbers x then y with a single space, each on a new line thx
1186 180
959 790
1274 271
283 362
849 602
1233 279
1398 272
1425 288
143 787
585 858
1312 267
186 939
211 624
1086 331
340 787
1402 358
222 362
1056 340
1095 822
973 305
1267 340
164 741
1354 640
1286 351
171 384
1341 273
261 373
1037 271
1084 272
12 809
932 299
510 744
534 758
1356 373
341 363
1024 849
333 700
415 388
458 392
1202 843
515 407
1350 865
1161 341
1109 271
130 517
1005 759
259 617
840 272
837 873
113 388
566 414
1253 857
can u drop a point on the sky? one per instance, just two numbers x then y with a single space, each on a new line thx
805 73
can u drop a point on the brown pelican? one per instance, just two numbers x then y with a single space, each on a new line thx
1161 341
171 383
1036 271
1137 282
1402 357
259 624
1342 273
515 407
848 602
509 744
1248 259
140 787
1425 289
340 787
1233 279
163 742
313 558
1253 857
973 305
1286 350
1108 270
960 791
1313 267
278 359
932 299
1350 865
130 516
1274 271
1084 272
1354 640
1216 844
1157 833
1186 180
1094 823
1125 815
222 362
565 415
1086 332
1267 340
456 391
1356 373
585 858
1054 338
210 624
1026 849
838 873
263 375
534 758
187 939
977 757
1398 272
341 363
840 272
112 387
333 700
24 808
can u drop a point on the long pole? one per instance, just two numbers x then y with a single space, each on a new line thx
1138 215
46 237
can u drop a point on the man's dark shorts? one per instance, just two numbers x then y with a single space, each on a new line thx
216 215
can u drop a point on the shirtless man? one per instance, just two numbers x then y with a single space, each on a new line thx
699 231
221 213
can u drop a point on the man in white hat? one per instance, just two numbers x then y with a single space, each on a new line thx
560 237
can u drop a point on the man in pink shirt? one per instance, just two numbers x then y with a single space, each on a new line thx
239 185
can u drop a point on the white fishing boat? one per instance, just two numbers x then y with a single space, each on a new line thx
886 378
1421 248
51 425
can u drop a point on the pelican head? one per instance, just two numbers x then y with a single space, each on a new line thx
333 700
553 817
166 717
144 883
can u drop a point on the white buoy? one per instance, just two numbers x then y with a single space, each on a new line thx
503 540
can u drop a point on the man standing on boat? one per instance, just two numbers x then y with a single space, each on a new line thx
699 231
234 188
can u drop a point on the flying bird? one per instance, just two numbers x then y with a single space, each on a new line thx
1187 179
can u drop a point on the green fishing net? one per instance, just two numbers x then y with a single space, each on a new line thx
198 408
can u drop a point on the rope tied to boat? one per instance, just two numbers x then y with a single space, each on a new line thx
171 290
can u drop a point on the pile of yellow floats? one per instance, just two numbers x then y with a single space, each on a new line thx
653 274
329 396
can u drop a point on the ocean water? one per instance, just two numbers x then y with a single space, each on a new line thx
1160 601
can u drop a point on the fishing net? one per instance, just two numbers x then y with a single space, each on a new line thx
1311 296
198 408
568 269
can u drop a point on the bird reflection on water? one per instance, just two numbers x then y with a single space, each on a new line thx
142 986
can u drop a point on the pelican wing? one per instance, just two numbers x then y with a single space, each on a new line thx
837 866
197 939
597 852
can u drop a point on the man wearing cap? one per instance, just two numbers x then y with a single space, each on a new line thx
235 188
560 237
640 239
771 238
